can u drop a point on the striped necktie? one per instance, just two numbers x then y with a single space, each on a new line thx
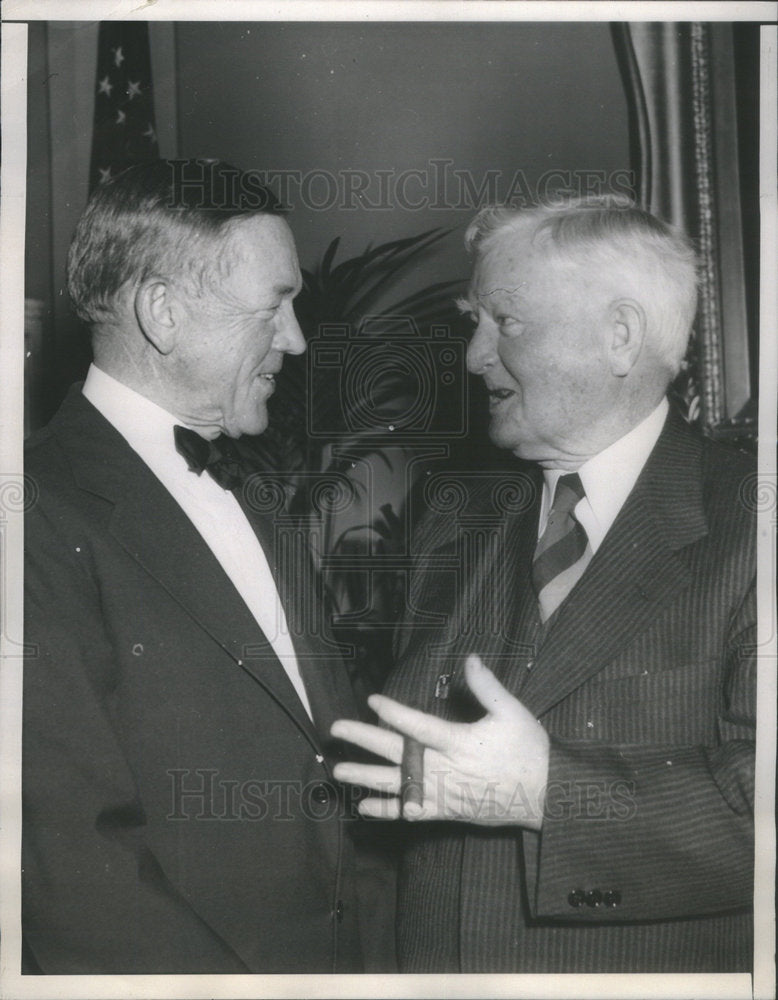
563 550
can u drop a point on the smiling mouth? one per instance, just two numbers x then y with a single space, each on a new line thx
498 395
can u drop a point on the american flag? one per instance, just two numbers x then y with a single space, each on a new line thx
125 130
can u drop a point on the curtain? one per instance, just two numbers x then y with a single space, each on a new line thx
680 86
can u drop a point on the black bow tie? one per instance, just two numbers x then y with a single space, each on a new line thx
219 458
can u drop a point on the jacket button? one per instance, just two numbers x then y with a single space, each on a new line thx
612 898
577 898
320 794
339 911
593 898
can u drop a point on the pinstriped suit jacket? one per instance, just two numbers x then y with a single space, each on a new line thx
646 684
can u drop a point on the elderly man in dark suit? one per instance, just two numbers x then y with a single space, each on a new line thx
180 814
585 714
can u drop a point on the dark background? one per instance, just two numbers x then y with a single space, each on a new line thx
538 98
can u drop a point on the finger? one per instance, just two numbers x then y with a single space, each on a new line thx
389 809
496 699
427 729
379 741
380 808
380 779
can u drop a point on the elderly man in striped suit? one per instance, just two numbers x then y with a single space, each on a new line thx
585 713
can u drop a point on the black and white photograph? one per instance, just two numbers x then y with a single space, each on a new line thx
388 499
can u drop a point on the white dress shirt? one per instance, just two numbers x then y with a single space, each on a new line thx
215 512
607 478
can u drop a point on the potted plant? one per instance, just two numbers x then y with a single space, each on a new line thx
321 436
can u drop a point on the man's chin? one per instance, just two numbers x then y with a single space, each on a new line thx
253 431
248 427
505 437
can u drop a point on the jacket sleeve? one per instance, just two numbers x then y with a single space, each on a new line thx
94 898
644 832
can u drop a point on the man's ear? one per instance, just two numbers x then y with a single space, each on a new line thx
157 314
627 332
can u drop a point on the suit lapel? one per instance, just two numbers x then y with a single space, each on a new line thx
638 570
171 550
286 546
631 578
492 614
151 527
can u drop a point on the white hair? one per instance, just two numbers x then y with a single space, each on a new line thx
653 261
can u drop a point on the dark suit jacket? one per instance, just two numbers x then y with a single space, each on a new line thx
646 684
179 810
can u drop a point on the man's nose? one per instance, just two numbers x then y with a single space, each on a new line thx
289 337
480 350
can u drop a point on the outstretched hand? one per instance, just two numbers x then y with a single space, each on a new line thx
491 772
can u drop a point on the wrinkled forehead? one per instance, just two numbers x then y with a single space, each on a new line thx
504 268
263 254
518 264
261 237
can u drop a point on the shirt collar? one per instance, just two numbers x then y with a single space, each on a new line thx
608 477
147 427
137 418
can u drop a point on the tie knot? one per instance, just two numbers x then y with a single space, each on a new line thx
220 458
569 490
